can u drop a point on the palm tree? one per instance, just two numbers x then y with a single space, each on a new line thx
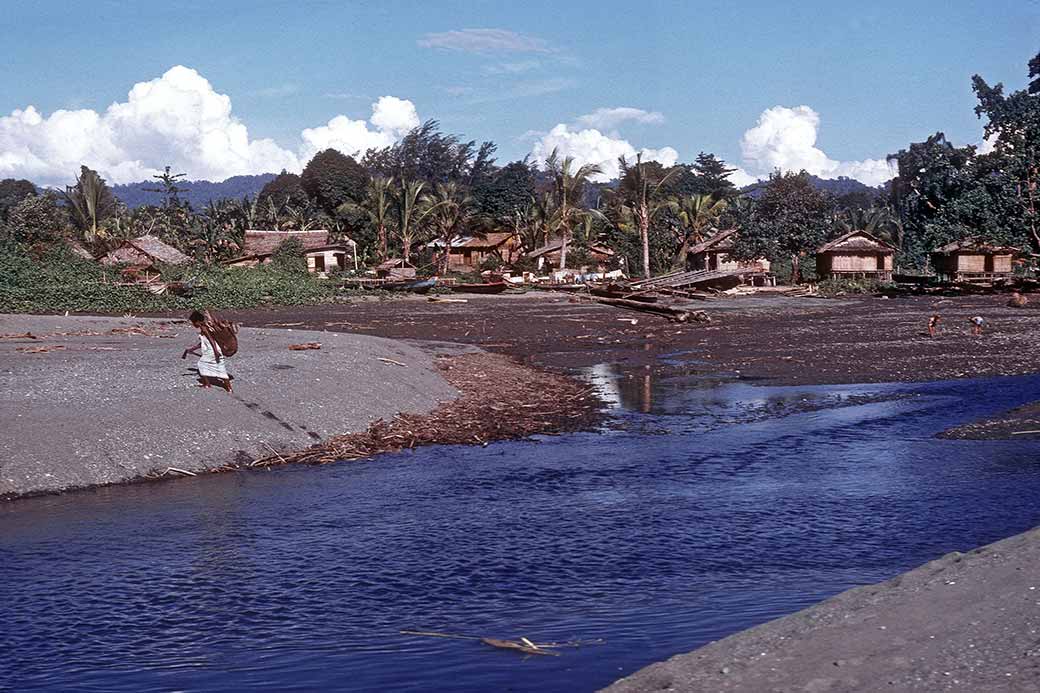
91 203
568 184
641 194
882 222
452 216
411 213
378 203
697 215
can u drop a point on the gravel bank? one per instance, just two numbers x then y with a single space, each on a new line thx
964 622
104 400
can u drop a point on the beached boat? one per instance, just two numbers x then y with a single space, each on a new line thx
488 288
418 286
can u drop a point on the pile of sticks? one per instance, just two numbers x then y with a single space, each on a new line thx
499 400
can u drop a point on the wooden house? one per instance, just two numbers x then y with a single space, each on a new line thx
469 253
144 253
972 259
856 254
548 256
713 254
395 269
321 255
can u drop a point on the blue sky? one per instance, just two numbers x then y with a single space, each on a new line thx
876 76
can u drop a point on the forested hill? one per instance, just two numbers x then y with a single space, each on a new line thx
838 187
199 192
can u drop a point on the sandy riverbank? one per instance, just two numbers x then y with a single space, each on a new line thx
104 400
964 622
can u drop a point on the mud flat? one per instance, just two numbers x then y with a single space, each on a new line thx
964 622
93 401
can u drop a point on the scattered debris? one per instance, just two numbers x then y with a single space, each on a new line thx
305 346
40 349
437 299
522 644
396 363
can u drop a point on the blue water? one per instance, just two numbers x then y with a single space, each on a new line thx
703 509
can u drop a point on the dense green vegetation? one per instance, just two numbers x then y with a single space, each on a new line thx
436 186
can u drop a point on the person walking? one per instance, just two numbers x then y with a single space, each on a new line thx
212 363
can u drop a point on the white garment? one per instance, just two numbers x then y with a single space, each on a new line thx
208 364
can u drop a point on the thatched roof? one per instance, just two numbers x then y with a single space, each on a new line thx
723 240
976 246
345 247
858 241
260 242
157 250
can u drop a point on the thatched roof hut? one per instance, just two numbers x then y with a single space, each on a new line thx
144 252
856 254
973 259
713 254
471 251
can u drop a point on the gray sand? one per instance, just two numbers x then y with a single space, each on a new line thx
113 407
964 622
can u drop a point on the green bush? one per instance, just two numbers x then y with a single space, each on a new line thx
60 281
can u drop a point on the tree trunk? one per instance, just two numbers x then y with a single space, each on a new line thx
680 261
563 251
796 275
406 253
644 234
382 242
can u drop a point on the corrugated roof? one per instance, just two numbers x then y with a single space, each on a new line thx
260 242
858 241
723 240
157 250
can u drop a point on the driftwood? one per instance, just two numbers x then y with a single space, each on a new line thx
519 645
305 346
673 314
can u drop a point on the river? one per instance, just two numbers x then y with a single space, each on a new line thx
703 508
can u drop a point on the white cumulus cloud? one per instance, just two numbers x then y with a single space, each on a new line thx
590 146
177 119
785 138
610 118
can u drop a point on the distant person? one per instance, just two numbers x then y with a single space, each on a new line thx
933 325
976 325
212 363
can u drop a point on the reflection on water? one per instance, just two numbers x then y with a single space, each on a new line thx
745 504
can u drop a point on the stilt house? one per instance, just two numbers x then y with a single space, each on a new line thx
856 255
973 260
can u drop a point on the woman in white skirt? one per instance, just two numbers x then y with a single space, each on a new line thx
212 364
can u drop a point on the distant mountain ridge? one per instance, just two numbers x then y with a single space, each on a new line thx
198 192
838 187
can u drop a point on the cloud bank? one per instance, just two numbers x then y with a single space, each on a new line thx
785 138
180 120
590 146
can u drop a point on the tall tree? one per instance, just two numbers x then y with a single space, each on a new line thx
506 190
91 203
332 179
168 186
378 206
1013 124
411 214
790 220
713 177
286 188
640 188
568 185
452 215
426 154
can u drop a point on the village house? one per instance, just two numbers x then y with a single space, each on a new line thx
855 255
469 253
548 256
712 254
144 253
395 269
972 259
321 255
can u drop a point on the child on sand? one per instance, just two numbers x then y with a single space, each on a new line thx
933 325
976 325
212 364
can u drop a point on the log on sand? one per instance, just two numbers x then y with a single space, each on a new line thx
673 314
